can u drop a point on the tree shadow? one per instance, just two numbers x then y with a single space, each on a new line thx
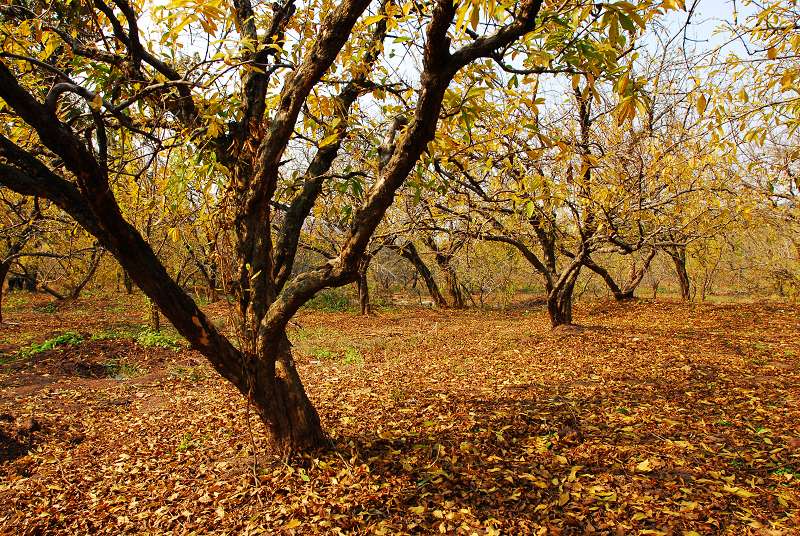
11 448
569 460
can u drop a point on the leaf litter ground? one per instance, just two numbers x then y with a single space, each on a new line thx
650 418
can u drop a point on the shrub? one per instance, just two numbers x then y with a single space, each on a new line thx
330 301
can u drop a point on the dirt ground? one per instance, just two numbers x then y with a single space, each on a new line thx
648 418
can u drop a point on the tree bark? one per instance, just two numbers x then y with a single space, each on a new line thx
127 282
264 370
559 305
4 268
155 317
280 400
363 288
559 296
678 256
453 288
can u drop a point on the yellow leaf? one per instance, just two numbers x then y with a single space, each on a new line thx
563 498
293 524
214 129
329 139
417 510
644 466
373 19
772 53
701 104
673 4
739 492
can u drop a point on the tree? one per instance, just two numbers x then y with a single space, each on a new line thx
65 81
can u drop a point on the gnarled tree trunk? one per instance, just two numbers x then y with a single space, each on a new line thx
279 398
453 287
253 149
678 256
409 252
559 297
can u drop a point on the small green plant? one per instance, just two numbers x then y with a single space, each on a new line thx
115 308
786 470
48 308
68 338
352 356
160 339
331 301
120 370
123 332
14 301
187 442
323 354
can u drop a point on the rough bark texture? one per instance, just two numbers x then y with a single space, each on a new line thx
453 287
127 282
280 399
559 297
444 260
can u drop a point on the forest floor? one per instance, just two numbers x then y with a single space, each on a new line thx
649 418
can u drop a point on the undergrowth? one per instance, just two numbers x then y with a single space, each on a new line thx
68 338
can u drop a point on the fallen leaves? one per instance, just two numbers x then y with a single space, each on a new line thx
644 466
462 429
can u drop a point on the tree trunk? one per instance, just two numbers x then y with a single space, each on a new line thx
213 282
155 317
127 282
559 299
453 288
612 285
637 276
409 252
679 260
559 307
4 268
363 288
627 290
280 400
